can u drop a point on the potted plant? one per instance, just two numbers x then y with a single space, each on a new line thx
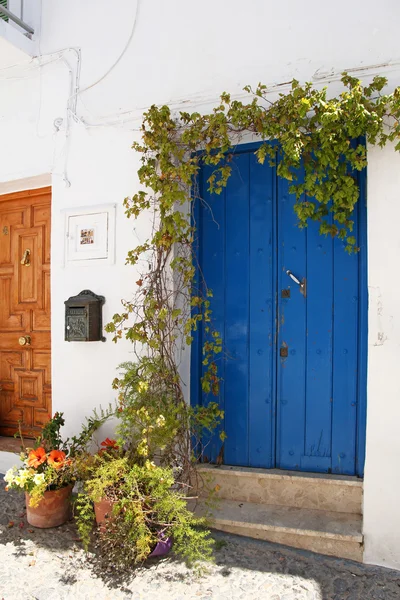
46 477
137 486
89 469
140 510
47 474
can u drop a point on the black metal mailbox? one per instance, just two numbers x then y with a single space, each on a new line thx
83 318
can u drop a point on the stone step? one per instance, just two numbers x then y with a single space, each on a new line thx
330 533
283 488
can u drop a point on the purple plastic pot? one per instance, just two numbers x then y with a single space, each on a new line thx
162 547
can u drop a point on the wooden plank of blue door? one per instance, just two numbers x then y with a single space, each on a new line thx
345 358
318 417
291 327
212 274
261 315
237 313
236 260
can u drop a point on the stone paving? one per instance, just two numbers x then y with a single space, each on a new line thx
50 565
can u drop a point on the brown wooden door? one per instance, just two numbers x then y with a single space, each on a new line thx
25 352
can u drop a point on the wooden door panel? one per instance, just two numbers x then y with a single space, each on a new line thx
25 370
41 316
27 289
10 319
10 414
41 216
235 253
29 387
41 361
40 416
9 361
10 220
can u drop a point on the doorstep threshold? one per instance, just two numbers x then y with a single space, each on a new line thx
327 478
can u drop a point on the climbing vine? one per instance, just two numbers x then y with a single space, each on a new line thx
303 128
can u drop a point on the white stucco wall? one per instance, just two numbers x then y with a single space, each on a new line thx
382 484
186 54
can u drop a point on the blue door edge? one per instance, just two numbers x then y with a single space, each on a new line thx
196 346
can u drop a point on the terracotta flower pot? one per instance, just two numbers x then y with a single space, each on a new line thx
54 508
103 510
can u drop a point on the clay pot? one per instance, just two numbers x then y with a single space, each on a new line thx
54 508
103 511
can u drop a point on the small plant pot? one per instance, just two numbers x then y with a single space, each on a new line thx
162 547
103 511
53 510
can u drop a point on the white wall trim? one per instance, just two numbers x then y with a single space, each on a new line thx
27 183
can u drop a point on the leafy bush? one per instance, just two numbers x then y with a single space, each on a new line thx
148 506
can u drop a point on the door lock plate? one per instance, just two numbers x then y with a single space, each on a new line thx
284 352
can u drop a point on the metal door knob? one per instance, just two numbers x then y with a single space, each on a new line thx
24 340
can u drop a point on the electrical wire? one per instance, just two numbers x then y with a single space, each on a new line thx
36 63
115 63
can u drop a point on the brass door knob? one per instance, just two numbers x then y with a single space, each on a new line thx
24 340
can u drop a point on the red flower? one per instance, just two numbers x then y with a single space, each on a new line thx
110 444
36 457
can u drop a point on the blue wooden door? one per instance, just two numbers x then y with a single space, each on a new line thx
293 367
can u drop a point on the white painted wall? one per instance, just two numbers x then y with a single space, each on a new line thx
185 53
382 484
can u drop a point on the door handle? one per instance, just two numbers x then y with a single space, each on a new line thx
24 340
302 283
26 259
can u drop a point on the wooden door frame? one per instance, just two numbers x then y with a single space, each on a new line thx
25 194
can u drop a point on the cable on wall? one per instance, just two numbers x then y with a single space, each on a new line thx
115 63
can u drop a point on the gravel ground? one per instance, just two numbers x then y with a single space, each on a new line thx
50 565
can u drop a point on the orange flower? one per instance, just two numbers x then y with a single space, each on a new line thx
56 459
110 444
36 457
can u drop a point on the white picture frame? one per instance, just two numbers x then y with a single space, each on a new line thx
89 235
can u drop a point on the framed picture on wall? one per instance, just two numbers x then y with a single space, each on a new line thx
90 235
